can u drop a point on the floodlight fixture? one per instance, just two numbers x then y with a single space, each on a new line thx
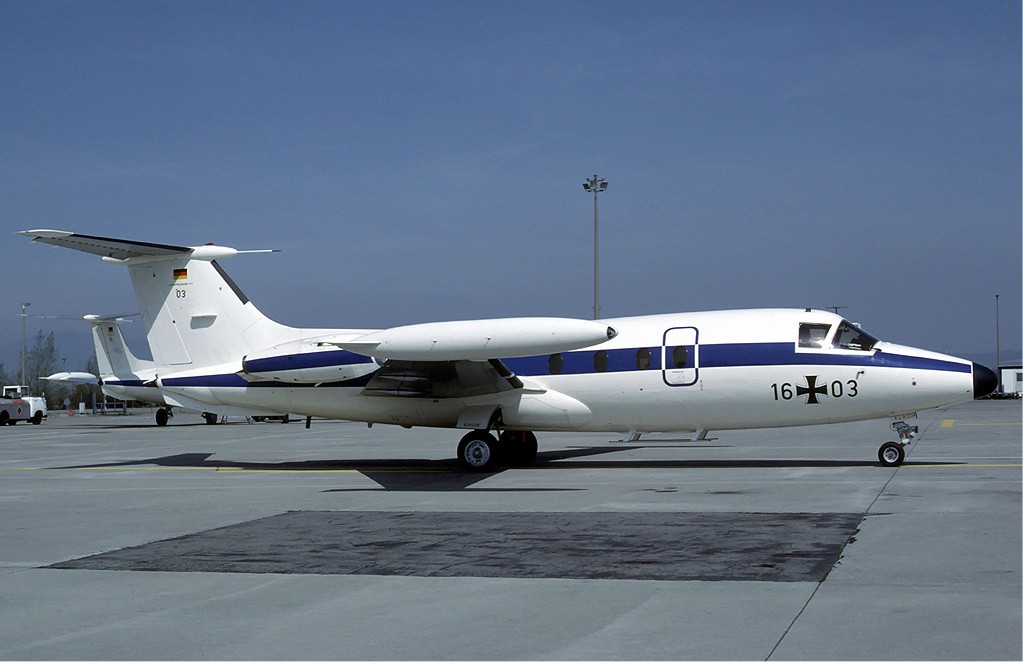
595 185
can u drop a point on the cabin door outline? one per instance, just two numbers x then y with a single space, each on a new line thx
680 356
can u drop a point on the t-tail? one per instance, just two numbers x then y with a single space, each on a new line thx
195 316
113 357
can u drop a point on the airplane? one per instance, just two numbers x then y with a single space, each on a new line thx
124 376
505 379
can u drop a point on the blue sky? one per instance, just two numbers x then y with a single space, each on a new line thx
421 161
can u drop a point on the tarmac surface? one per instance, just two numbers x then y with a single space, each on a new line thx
121 540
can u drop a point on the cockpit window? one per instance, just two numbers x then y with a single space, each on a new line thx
813 335
850 336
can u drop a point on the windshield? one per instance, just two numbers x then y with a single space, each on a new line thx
850 336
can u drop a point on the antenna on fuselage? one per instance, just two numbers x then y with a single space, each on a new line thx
836 308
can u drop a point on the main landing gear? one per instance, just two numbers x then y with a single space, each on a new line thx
892 453
163 414
480 450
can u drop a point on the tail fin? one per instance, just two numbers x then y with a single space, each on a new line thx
195 315
112 354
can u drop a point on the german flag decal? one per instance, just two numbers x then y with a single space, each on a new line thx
180 274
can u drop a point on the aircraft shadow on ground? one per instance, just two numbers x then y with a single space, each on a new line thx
447 475
152 424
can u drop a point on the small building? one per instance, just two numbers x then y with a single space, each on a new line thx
1011 378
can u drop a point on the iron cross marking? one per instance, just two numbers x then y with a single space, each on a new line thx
811 390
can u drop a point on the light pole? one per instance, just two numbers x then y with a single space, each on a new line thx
23 343
596 185
998 346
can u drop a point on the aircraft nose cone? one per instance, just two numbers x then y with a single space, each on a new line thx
985 381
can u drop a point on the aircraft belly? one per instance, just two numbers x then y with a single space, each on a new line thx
345 403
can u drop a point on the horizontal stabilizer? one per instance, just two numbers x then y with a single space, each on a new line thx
73 378
121 250
480 340
110 319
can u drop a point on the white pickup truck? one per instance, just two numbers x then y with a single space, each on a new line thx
16 405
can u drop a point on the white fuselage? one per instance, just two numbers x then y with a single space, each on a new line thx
738 369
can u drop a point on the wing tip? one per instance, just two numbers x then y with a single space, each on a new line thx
46 234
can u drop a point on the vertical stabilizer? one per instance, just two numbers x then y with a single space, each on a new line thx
112 354
195 315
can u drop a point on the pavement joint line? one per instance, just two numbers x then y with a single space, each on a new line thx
242 470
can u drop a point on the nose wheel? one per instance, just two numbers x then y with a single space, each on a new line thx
892 453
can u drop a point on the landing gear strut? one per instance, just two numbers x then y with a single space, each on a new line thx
519 447
892 453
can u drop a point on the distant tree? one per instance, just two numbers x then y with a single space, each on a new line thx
41 361
84 392
4 377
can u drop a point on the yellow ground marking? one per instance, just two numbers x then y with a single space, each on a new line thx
990 425
947 423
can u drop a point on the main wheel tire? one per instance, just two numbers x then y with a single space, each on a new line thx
162 416
37 418
891 454
478 450
520 445
210 418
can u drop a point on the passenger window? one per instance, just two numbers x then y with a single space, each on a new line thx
600 361
850 336
813 335
679 357
554 364
642 358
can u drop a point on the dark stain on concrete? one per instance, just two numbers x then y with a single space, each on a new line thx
778 547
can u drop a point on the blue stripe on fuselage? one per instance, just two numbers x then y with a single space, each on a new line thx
134 383
233 380
333 358
728 355
739 355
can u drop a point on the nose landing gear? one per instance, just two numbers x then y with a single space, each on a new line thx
892 453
